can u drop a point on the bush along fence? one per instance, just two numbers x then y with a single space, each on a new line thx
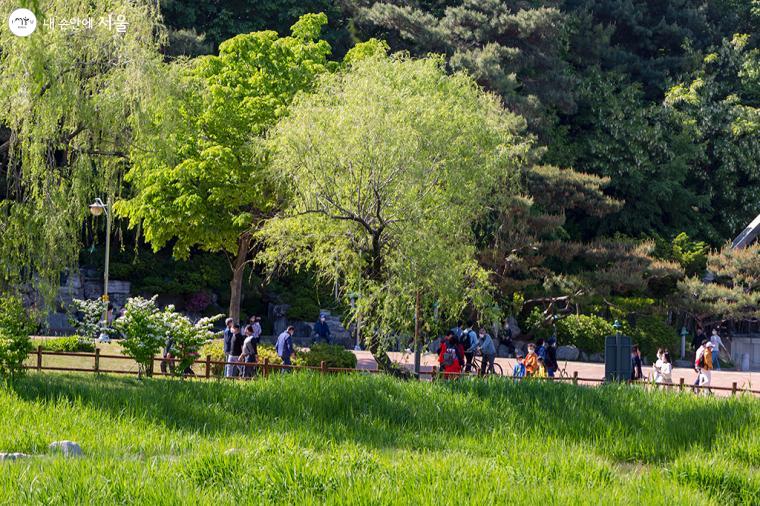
207 366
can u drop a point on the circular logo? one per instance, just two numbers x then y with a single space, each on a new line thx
22 22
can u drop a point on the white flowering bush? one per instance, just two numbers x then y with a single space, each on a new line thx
187 338
144 330
89 324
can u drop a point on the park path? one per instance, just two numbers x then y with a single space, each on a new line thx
584 369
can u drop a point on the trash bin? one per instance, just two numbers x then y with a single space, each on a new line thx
617 358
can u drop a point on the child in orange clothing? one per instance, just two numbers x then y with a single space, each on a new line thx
531 361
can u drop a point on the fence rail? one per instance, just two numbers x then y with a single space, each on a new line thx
268 368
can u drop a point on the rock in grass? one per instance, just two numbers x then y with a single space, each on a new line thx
67 448
12 456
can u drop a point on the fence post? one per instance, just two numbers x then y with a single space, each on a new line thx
208 366
733 388
322 367
266 367
434 375
97 360
575 377
39 357
680 384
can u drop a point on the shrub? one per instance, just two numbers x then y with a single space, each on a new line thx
215 349
70 344
587 332
650 333
143 330
332 355
187 337
267 351
88 321
15 344
536 326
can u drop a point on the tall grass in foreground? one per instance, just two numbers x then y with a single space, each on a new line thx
308 438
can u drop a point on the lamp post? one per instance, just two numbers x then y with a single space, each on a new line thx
97 208
617 326
684 333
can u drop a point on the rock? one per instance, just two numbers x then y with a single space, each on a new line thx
12 456
596 357
567 353
503 351
583 357
67 448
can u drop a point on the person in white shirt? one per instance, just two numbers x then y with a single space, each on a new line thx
665 371
717 342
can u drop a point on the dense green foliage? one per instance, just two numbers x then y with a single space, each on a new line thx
15 326
71 344
367 439
331 354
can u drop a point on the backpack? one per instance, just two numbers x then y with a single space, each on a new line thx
701 361
449 356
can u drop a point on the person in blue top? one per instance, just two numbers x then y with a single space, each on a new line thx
488 351
458 329
322 330
470 342
284 346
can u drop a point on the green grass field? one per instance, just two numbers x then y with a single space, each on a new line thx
361 439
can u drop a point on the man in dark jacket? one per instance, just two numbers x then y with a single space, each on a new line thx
322 330
234 346
551 357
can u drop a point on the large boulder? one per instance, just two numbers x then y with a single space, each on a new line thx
66 448
596 357
568 353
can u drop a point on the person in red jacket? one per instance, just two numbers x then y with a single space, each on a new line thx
449 355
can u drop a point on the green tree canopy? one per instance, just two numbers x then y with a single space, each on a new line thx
71 103
198 176
387 166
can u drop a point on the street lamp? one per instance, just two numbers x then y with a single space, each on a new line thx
618 332
97 208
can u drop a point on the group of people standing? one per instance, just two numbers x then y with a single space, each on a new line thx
244 347
539 362
459 347
241 347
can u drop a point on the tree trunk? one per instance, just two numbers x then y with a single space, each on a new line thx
238 267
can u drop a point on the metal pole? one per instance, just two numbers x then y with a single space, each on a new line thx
108 255
417 334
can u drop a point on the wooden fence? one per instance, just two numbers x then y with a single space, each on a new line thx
266 368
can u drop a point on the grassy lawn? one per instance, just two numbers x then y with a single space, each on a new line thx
361 439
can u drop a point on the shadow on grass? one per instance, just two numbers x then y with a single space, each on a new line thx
626 424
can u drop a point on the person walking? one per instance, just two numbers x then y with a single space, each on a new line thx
227 339
250 352
322 330
448 356
717 342
636 372
469 340
487 351
698 362
706 367
284 346
255 322
699 336
665 372
234 347
552 365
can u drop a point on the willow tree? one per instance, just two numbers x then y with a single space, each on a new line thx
386 166
198 176
69 104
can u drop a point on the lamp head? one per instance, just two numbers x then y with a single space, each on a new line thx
97 208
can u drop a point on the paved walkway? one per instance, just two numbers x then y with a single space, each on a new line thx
589 370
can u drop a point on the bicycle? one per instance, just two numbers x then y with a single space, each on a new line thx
477 363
